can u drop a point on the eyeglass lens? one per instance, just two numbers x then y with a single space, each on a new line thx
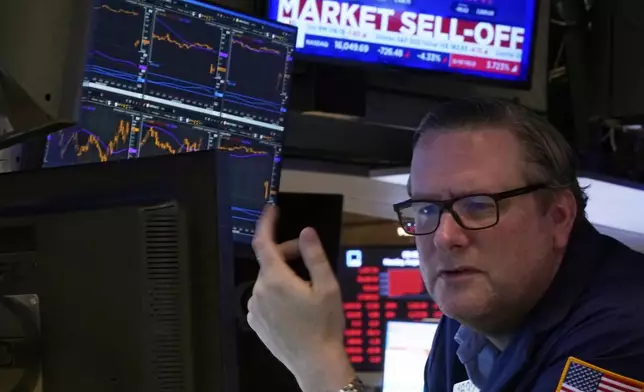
474 212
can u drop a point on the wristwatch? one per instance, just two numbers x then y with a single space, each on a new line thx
355 385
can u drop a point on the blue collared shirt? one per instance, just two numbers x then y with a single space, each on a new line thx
592 311
477 354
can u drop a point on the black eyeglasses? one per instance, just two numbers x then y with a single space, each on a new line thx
471 212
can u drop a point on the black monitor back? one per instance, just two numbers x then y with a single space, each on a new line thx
151 238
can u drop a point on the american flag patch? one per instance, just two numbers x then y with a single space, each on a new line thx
579 376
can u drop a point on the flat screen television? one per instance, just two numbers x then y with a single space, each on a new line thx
379 285
488 39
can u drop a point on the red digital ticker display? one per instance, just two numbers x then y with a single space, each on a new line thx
379 285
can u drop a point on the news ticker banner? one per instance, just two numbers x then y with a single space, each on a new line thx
483 37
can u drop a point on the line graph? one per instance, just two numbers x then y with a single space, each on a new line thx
103 150
261 49
107 7
182 45
252 102
114 76
250 166
243 152
184 52
112 58
249 91
164 138
245 215
107 57
169 82
102 135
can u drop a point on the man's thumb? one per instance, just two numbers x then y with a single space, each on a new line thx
315 259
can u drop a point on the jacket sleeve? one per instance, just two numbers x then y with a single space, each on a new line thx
611 342
625 366
426 388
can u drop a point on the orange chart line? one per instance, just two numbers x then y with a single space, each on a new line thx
244 149
119 11
138 42
121 135
262 49
187 145
168 38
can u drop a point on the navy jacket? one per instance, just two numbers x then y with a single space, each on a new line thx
594 311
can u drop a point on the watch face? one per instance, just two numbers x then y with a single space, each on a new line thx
355 386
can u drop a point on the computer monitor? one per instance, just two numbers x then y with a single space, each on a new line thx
379 284
173 76
118 276
406 352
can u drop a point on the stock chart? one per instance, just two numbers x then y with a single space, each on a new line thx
252 167
184 59
251 90
158 137
170 77
102 135
114 58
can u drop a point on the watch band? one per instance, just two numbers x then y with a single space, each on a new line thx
355 385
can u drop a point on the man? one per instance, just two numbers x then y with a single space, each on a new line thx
525 282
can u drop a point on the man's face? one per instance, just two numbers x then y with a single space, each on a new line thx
487 278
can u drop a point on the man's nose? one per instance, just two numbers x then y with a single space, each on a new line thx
449 234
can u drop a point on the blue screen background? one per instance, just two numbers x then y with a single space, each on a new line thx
508 12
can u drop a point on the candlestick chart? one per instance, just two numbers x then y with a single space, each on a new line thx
183 60
113 59
251 87
100 136
157 137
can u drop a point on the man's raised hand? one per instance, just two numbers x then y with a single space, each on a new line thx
301 323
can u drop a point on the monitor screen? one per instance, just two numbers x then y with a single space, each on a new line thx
174 76
379 285
482 38
406 351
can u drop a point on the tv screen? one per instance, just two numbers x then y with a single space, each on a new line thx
379 284
482 38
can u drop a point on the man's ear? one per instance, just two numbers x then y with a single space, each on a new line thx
563 213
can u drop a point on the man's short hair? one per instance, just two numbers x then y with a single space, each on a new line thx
549 157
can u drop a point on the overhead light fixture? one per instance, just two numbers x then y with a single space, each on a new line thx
397 179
